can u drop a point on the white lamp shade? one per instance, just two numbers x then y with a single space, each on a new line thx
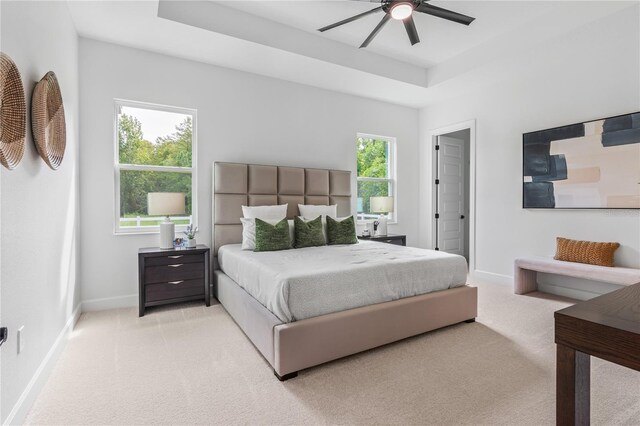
381 204
165 203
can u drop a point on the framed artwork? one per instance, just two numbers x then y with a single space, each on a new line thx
592 165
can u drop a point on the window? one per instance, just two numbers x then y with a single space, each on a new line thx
376 173
155 152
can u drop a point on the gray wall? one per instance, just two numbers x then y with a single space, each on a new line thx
242 117
39 227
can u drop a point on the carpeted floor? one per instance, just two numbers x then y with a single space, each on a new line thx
190 364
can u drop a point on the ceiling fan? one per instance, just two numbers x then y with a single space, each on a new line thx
402 10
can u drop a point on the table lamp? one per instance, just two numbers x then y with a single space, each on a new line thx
382 205
166 204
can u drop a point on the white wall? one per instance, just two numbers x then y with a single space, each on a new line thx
589 73
241 117
39 226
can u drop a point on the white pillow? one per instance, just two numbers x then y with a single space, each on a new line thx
311 211
249 231
278 212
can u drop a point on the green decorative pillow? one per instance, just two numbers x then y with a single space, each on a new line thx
272 237
343 232
308 234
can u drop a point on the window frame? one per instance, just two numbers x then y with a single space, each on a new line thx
154 229
391 173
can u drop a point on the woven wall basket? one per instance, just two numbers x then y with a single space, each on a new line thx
13 113
47 120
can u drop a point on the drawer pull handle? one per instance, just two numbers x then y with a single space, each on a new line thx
388 241
175 257
175 266
176 282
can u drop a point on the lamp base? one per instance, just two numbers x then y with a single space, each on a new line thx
167 234
382 226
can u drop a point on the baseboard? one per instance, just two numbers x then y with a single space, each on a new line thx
110 303
35 385
491 277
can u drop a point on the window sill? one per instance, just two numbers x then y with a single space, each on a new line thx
365 222
137 232
154 230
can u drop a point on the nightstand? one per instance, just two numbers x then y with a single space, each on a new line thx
399 240
171 276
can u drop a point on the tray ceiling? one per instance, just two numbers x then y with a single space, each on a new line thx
280 39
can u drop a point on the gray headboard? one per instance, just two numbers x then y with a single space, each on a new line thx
236 184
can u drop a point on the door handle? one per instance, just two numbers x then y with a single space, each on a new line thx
4 333
461 216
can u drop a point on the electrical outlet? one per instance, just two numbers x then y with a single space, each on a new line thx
20 339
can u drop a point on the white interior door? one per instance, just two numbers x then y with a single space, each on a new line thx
451 195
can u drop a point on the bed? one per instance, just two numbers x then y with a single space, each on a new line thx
305 307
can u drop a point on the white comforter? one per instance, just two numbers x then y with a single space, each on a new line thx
304 283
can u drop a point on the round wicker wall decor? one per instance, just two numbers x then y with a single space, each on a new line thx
13 113
47 120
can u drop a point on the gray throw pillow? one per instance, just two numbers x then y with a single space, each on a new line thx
272 237
308 234
342 232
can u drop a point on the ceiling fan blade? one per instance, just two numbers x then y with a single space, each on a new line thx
444 14
353 18
376 30
412 32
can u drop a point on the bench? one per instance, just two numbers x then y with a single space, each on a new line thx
527 268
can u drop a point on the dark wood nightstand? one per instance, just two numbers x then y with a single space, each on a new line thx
399 240
171 276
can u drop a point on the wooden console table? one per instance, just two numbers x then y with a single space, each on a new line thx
606 327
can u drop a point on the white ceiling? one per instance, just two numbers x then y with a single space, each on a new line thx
440 39
280 39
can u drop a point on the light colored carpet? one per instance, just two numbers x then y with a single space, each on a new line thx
191 364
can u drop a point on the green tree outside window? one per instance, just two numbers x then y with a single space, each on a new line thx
173 150
373 168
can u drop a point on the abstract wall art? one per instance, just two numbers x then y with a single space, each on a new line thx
592 165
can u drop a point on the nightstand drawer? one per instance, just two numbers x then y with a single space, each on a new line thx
174 272
396 241
174 290
174 259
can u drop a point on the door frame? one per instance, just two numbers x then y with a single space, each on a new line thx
433 139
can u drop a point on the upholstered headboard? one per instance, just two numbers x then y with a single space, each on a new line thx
235 185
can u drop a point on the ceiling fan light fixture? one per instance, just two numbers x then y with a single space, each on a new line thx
401 10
